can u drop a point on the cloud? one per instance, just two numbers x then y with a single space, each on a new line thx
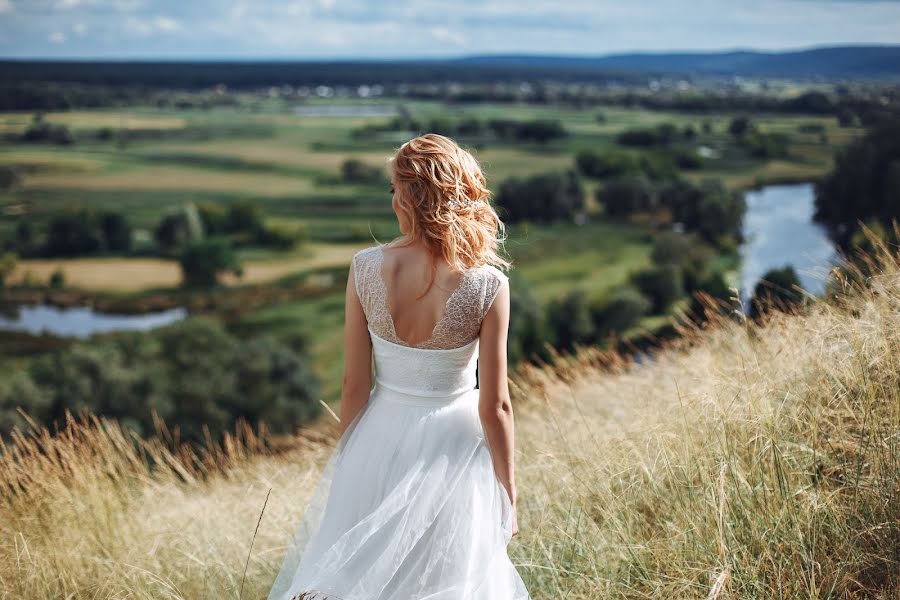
443 34
57 37
121 5
430 28
152 25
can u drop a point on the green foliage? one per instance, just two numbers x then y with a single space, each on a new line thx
708 208
537 130
57 279
777 290
766 145
202 262
528 327
739 126
662 284
43 131
864 184
354 170
194 375
621 311
689 160
10 177
686 251
606 164
542 197
569 319
78 232
662 135
628 195
8 262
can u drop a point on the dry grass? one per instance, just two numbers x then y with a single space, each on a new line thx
746 462
174 178
139 274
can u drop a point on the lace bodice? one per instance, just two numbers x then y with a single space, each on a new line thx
466 306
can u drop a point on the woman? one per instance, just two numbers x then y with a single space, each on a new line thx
418 499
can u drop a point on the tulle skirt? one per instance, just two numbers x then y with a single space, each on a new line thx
408 507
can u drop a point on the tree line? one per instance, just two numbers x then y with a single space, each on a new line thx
194 375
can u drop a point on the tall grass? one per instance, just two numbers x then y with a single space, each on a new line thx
744 461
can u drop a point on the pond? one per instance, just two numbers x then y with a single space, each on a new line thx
779 231
82 321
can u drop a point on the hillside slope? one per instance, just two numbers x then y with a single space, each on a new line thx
744 463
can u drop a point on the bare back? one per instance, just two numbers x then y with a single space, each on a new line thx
391 283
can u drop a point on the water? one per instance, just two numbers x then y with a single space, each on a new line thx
780 231
81 321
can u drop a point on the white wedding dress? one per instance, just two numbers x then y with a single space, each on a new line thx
408 506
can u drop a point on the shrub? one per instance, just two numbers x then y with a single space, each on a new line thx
356 171
607 164
619 312
542 197
203 261
569 320
777 290
662 284
627 195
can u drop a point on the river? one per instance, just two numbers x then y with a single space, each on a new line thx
82 321
779 231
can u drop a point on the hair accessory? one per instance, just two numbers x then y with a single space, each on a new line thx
454 203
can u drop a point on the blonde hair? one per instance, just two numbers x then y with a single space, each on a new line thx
443 193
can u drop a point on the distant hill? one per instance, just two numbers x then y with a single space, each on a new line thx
851 62
835 62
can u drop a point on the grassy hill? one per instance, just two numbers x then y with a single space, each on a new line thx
744 462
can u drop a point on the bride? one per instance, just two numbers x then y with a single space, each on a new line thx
418 499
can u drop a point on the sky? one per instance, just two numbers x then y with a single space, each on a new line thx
343 29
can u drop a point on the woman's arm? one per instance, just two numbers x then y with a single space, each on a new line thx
357 381
494 405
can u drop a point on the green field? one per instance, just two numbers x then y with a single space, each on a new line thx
290 166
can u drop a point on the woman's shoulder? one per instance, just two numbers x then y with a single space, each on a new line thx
366 253
493 273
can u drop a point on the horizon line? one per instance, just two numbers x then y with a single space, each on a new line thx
448 57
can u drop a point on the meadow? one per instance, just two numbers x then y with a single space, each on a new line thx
156 160
745 461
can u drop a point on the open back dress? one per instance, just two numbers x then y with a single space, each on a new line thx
408 506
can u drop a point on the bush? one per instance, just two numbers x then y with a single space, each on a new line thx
708 208
79 232
356 171
619 313
688 160
569 320
660 136
715 289
9 177
662 284
627 195
688 253
777 290
739 126
528 328
57 279
8 262
542 197
195 375
607 164
203 261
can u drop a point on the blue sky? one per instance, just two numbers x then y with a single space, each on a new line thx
317 29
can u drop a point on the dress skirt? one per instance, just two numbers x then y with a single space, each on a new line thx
408 507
